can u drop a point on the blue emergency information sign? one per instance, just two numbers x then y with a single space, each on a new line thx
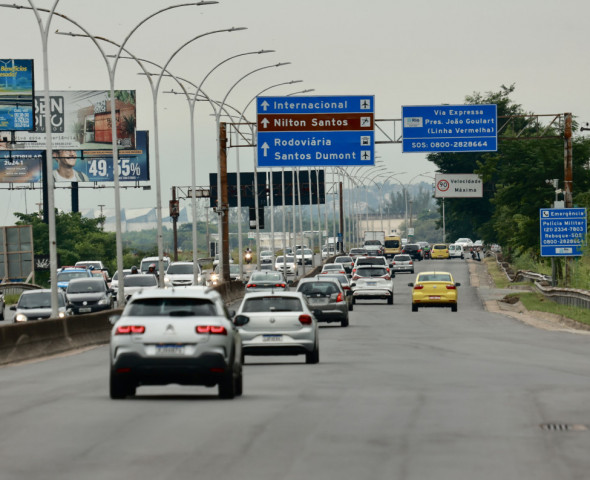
562 231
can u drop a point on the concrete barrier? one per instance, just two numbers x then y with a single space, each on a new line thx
40 338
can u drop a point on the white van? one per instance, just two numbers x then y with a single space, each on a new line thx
456 251
147 261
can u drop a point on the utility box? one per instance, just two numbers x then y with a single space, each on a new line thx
16 253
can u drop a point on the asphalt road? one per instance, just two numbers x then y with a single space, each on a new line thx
397 395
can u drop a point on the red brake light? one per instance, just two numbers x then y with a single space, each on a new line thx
281 285
451 287
411 262
339 297
305 319
130 329
418 287
251 285
212 329
386 277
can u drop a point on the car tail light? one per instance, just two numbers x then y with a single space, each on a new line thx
418 287
345 287
130 330
411 263
393 263
451 287
386 277
280 285
305 319
339 297
251 285
212 329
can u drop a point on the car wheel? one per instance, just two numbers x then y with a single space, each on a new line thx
227 385
344 323
412 271
414 308
390 300
453 308
313 357
120 387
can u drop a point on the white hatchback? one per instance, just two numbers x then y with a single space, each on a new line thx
456 251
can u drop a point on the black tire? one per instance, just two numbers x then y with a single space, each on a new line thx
313 357
390 300
240 384
120 387
227 386
453 308
412 271
344 323
414 308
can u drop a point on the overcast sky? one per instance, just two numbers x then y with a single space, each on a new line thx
403 52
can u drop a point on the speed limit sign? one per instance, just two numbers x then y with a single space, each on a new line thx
458 185
443 185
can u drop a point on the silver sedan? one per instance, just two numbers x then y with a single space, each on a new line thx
278 324
180 335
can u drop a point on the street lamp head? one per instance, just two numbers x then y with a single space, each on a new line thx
206 2
266 51
235 29
282 63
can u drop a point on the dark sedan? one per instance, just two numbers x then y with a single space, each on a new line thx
87 295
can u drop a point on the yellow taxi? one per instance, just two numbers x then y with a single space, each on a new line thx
439 250
434 289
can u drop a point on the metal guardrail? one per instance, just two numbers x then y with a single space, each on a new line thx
571 297
17 288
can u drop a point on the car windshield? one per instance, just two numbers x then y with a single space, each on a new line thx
285 260
67 276
371 272
343 260
373 242
266 277
39 300
86 286
266 253
180 269
272 304
434 277
141 280
145 265
171 307
318 288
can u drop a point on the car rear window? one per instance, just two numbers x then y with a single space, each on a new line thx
323 288
264 277
402 258
370 261
140 280
171 307
272 304
434 277
440 247
371 272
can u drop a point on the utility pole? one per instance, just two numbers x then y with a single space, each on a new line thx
102 216
341 235
223 202
568 183
174 213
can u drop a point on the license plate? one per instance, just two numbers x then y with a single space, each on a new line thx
170 349
85 309
434 297
272 338
318 301
372 284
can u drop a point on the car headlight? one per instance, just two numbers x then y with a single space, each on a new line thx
166 279
20 318
103 301
61 315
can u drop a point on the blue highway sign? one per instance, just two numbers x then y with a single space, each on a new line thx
449 128
316 131
562 231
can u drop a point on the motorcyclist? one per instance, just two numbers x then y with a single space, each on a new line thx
152 270
134 270
248 255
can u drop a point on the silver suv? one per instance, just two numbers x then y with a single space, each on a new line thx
179 335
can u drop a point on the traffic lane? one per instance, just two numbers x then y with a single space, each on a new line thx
396 395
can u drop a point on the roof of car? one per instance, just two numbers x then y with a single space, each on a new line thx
190 291
318 278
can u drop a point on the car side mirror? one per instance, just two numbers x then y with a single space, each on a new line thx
410 284
12 307
114 318
241 320
457 284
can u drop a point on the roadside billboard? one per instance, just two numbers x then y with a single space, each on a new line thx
81 120
25 166
457 185
17 93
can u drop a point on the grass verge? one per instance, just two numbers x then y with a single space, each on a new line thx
536 302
